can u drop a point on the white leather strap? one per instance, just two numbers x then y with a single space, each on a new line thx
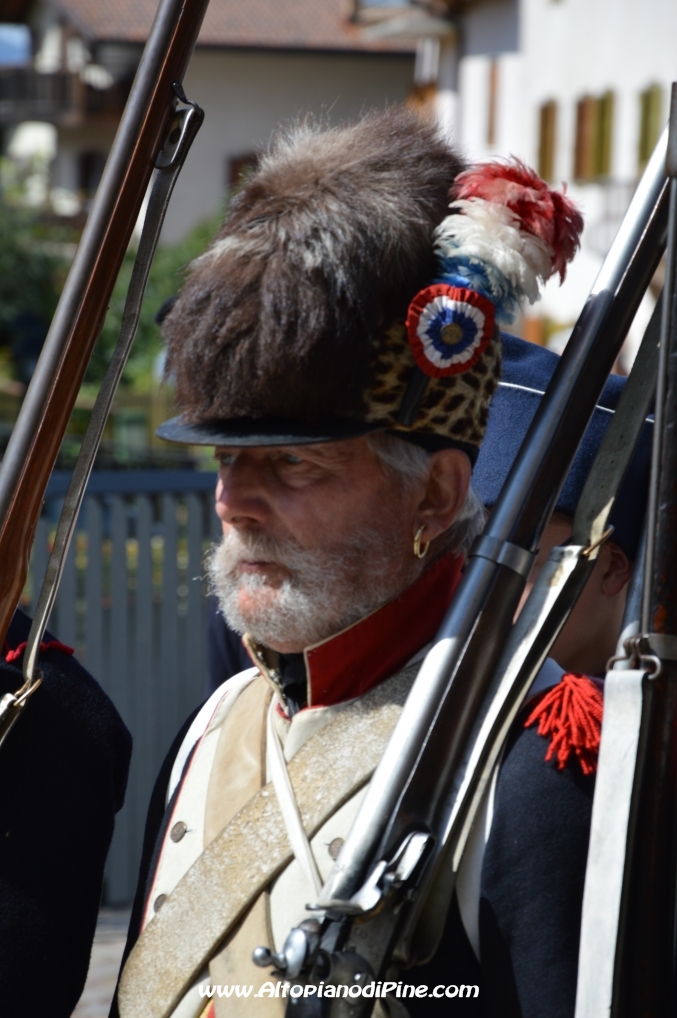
468 880
298 839
608 830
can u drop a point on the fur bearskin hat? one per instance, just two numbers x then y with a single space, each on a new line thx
292 326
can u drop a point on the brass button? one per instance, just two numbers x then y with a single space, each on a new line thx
335 847
178 830
159 902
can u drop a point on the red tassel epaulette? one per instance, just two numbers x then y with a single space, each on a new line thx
13 655
570 715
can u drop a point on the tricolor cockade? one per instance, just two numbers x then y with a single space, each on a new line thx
507 233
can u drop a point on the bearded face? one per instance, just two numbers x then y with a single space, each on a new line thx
306 595
320 535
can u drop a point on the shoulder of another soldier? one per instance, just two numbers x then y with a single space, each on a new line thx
63 775
567 714
545 783
533 865
70 706
550 759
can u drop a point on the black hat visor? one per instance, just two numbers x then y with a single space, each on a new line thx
249 431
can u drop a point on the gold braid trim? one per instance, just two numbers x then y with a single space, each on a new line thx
252 849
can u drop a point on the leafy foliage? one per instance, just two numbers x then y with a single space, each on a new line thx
165 280
30 275
35 252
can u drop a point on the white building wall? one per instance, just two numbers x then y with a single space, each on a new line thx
512 128
574 47
247 95
563 50
72 141
489 32
474 105
578 46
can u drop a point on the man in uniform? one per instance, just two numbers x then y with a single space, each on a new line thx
520 886
342 367
589 639
63 774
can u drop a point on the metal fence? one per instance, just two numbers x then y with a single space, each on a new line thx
132 603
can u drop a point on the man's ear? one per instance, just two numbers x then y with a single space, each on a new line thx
616 569
445 492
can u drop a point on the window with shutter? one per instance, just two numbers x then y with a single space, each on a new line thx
594 136
584 155
604 134
493 102
547 136
650 122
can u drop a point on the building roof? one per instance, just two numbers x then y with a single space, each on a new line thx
275 24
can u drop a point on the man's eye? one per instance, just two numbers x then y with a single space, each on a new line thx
225 459
290 458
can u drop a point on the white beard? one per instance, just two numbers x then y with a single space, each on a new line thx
328 588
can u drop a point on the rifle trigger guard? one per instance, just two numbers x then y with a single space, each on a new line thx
403 869
504 553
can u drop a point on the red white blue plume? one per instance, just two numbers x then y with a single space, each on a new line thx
508 233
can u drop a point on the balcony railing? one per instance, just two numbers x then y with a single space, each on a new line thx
59 97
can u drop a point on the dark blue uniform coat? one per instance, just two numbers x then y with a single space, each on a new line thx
63 773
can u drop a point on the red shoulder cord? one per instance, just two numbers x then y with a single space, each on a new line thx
570 714
13 655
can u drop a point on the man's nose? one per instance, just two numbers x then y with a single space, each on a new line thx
240 494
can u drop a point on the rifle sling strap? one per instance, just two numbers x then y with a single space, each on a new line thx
605 872
252 850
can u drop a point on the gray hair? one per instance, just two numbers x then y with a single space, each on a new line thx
411 464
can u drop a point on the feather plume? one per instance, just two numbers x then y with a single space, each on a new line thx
491 234
461 270
542 211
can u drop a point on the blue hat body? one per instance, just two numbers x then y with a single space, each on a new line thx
527 370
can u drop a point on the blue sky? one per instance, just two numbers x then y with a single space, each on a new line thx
15 44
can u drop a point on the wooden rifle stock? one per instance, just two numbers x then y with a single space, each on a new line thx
42 421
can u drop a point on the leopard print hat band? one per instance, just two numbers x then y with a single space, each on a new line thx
508 233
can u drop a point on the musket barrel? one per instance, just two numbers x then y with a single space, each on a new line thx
410 781
36 438
532 488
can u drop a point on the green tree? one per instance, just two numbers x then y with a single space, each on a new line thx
165 279
30 276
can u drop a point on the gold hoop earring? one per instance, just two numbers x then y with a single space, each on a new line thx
420 549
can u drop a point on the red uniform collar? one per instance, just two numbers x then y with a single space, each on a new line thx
355 660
